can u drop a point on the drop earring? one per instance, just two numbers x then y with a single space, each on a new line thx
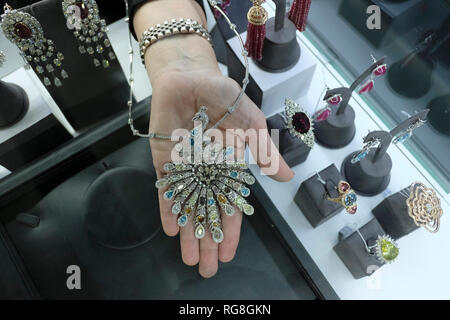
298 13
256 29
89 30
2 59
26 33
379 71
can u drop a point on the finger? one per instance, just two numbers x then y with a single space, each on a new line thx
208 257
232 232
266 153
168 219
189 245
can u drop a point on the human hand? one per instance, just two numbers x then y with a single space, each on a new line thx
185 76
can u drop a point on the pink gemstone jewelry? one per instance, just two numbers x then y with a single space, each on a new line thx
298 122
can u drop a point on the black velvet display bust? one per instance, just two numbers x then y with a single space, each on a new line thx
14 104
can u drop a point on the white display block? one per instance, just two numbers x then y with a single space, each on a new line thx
38 108
275 87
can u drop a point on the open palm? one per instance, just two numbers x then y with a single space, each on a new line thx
177 96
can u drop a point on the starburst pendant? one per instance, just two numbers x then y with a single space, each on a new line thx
203 191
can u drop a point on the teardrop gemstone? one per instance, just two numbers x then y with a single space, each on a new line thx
352 210
334 100
22 31
380 70
344 186
300 122
322 115
84 11
366 87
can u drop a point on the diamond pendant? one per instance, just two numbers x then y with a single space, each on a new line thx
204 190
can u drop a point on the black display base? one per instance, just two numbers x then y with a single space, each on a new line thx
281 50
338 130
14 104
125 211
392 214
439 115
32 143
352 252
312 195
293 150
412 80
367 178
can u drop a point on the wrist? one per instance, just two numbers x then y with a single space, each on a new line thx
186 53
176 53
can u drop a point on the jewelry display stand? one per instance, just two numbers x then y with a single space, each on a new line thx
397 18
79 97
312 195
281 50
352 251
439 115
338 130
14 104
269 90
293 150
38 131
392 214
371 175
418 65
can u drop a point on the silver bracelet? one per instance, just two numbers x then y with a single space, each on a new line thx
168 29
230 109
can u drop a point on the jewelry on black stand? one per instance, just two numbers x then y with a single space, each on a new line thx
26 33
89 30
2 59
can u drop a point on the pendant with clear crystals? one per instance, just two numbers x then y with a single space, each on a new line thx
90 30
38 52
202 191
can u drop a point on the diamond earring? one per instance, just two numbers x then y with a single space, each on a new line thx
2 58
90 31
26 33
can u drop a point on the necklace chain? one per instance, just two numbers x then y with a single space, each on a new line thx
230 109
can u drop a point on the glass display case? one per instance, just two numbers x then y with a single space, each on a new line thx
77 189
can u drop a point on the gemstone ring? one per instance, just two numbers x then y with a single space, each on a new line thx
384 247
347 197
298 122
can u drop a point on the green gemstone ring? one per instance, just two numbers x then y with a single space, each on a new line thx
385 248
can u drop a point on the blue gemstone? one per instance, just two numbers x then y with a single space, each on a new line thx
182 220
192 141
194 132
169 194
350 199
245 191
211 202
403 138
233 174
